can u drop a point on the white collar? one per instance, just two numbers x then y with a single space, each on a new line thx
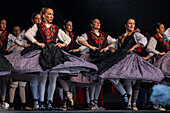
48 25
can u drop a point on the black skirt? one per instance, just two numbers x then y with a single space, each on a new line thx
5 65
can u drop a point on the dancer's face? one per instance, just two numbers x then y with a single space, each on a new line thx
96 24
37 19
17 30
3 25
161 29
130 25
48 16
69 26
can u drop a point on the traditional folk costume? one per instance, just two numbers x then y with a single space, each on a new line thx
49 59
63 77
100 40
50 34
5 67
121 65
14 83
158 44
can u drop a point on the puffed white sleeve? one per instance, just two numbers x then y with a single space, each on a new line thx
82 37
18 42
167 33
139 38
31 33
111 40
23 32
63 37
151 47
115 44
11 38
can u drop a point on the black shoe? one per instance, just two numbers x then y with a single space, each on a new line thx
36 105
49 105
42 106
92 105
11 106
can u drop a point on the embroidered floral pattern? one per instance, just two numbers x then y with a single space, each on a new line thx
3 37
139 49
163 43
72 36
49 32
98 39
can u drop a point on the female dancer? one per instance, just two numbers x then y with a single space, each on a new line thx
5 67
98 41
72 48
16 42
121 65
36 18
158 48
159 45
44 35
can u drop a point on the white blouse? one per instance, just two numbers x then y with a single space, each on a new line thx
31 33
19 40
151 47
167 33
139 38
84 37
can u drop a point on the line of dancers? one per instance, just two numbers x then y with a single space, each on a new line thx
46 52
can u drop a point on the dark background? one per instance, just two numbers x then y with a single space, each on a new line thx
112 13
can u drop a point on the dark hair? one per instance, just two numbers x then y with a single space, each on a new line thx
157 25
128 20
91 21
34 14
65 21
2 19
15 26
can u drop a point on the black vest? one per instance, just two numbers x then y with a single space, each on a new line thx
128 42
93 43
40 36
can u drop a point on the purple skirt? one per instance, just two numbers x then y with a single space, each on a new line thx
84 80
164 64
29 63
133 67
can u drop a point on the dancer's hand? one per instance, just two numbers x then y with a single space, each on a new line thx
41 45
93 48
131 50
74 50
104 49
162 53
61 45
27 45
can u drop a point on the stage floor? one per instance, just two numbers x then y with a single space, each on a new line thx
87 111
